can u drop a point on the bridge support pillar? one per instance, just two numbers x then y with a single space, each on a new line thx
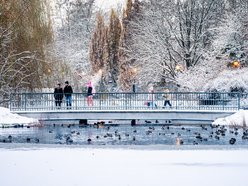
133 122
83 122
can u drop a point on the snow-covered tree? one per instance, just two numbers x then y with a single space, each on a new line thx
127 66
113 43
217 71
72 38
104 50
172 33
98 45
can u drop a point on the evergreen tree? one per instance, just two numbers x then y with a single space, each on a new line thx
113 43
98 45
128 70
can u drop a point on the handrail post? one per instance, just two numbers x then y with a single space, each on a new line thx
223 98
25 101
10 101
238 100
100 101
176 100
76 95
199 100
52 104
152 99
126 101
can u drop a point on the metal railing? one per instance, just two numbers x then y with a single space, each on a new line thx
128 101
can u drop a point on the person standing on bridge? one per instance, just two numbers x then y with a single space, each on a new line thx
68 93
90 91
151 97
58 96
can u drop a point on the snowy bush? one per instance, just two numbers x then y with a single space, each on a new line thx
229 80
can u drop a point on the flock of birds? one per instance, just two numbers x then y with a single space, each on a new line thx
180 134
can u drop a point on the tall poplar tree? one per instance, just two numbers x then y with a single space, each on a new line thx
113 43
98 45
128 70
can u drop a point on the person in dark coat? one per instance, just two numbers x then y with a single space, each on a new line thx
68 94
90 91
58 96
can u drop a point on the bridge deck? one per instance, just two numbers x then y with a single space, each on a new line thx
178 116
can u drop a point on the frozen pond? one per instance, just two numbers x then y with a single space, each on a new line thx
126 135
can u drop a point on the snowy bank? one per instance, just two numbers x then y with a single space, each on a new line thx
9 119
240 118
122 167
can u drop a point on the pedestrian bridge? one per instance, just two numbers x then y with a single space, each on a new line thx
187 107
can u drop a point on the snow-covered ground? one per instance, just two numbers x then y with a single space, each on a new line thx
122 167
240 118
9 119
